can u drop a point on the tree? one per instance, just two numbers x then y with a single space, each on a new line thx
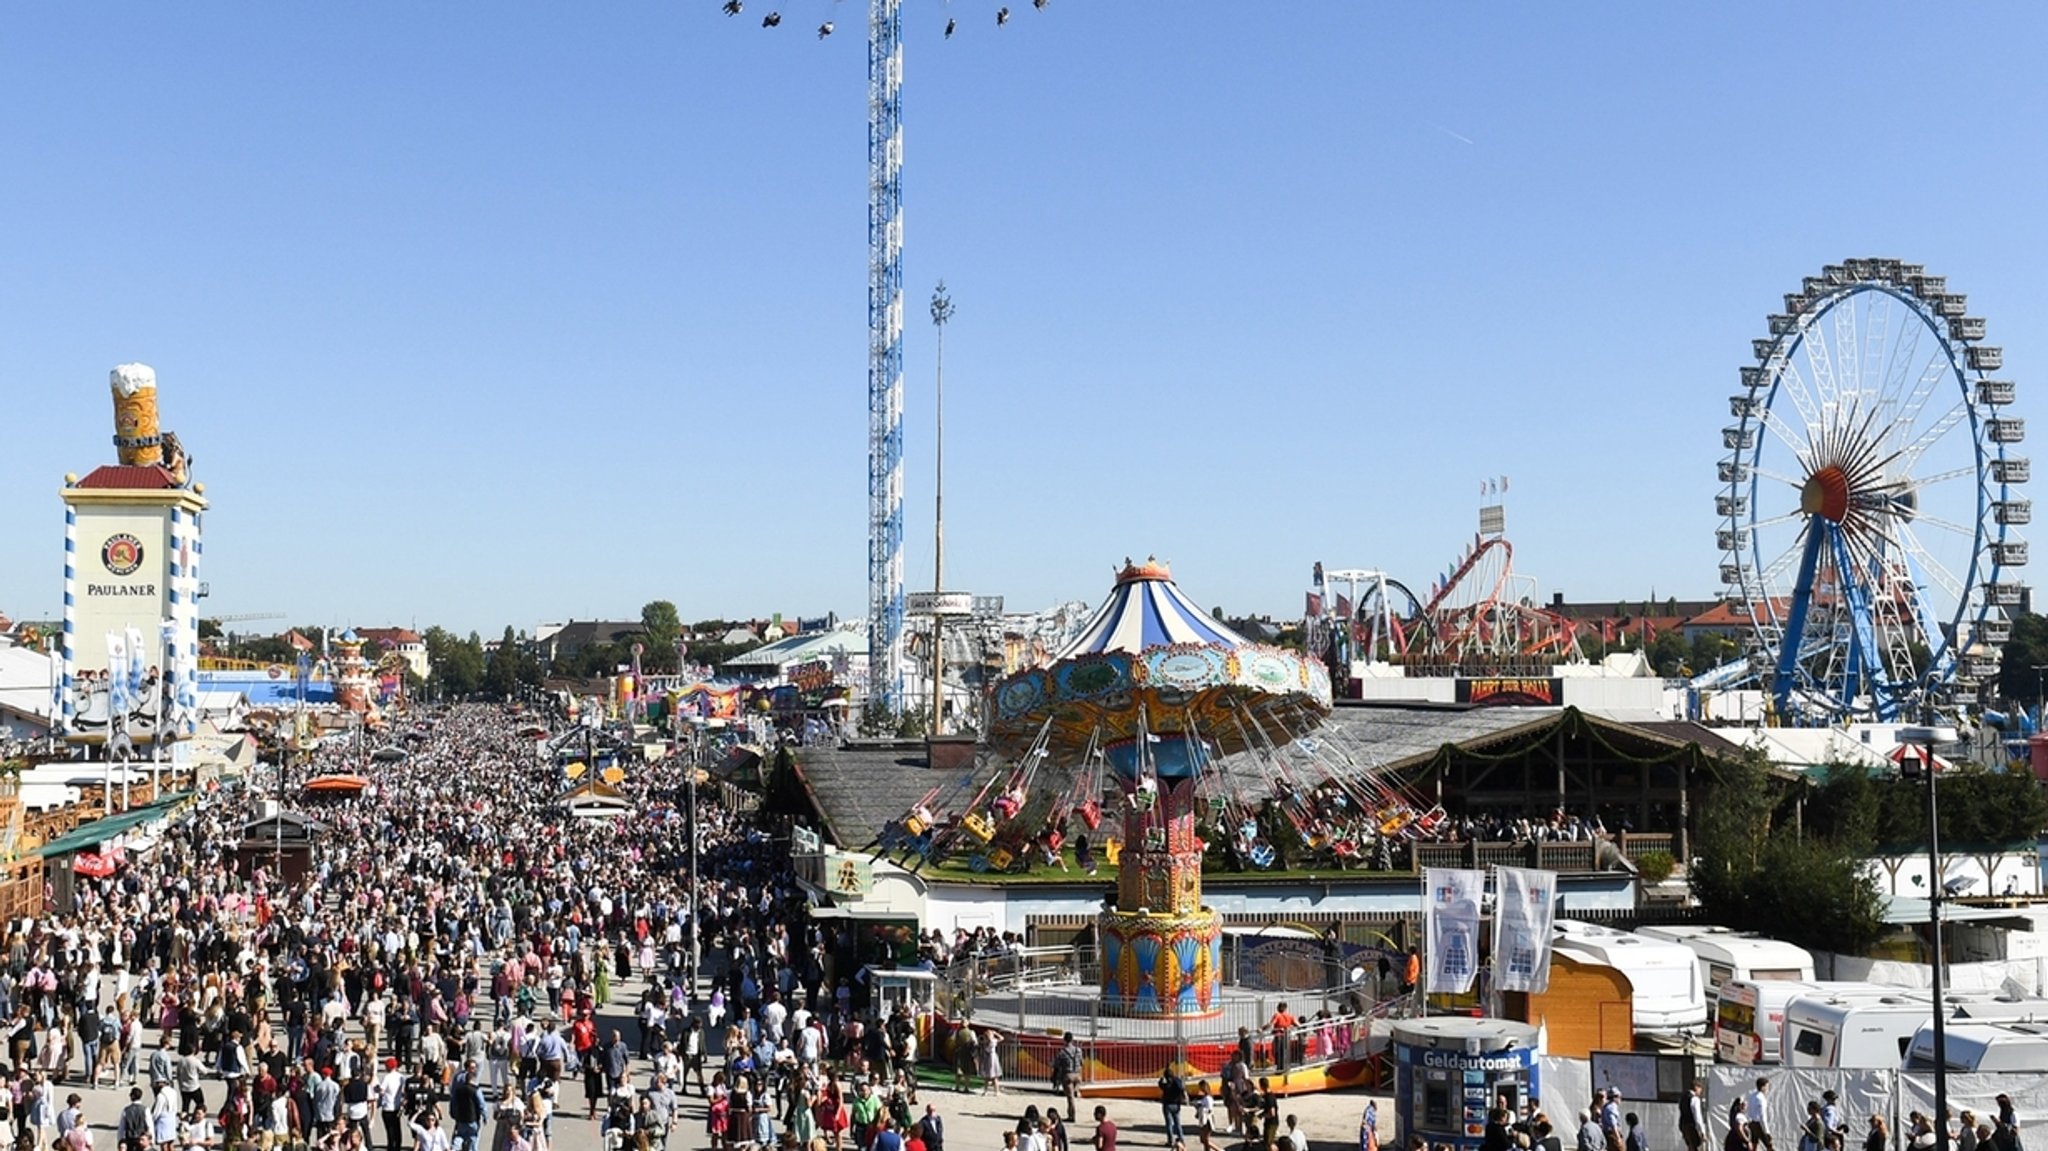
1667 653
1980 808
501 673
2018 682
1752 874
456 669
1709 651
664 627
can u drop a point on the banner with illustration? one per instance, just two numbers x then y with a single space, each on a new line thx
1523 908
1450 924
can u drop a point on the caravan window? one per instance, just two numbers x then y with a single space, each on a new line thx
1808 1043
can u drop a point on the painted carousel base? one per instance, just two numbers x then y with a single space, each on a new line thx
1126 1054
1162 966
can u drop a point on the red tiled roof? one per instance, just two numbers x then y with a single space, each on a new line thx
389 635
1736 614
146 477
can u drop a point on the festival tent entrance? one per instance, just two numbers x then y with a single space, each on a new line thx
283 841
595 799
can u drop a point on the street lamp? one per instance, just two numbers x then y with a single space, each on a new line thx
1923 769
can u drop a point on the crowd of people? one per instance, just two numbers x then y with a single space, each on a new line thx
1827 1126
436 975
460 964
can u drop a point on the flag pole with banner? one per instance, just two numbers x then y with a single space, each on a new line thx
1450 926
1523 913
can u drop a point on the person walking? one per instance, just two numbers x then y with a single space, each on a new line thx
1692 1117
1759 1134
991 1062
2005 1131
133 1127
1066 1070
1105 1131
1173 1095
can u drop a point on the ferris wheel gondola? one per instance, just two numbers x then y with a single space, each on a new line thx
1869 497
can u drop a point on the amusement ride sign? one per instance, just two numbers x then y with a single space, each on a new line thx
1508 690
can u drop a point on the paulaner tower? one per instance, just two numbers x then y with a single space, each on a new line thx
131 569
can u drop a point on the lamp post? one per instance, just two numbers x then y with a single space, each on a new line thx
1926 737
696 760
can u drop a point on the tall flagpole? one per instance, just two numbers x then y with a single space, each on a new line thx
942 310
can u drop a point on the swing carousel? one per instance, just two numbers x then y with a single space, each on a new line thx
1154 733
1158 697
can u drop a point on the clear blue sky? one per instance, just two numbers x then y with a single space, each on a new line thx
488 314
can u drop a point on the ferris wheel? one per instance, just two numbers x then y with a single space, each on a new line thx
1869 497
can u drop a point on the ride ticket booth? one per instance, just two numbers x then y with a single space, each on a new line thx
1448 1071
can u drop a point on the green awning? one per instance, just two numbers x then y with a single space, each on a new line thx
90 836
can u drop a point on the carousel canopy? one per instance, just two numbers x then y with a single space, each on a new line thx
1150 665
1147 609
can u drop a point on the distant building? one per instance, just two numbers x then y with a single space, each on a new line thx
1729 620
1258 629
568 640
839 650
404 641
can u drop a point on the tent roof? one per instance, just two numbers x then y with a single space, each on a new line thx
1147 609
845 640
858 789
1911 910
92 835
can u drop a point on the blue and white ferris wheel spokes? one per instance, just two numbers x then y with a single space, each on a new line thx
1867 496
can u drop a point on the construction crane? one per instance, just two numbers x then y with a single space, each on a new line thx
220 622
885 336
244 617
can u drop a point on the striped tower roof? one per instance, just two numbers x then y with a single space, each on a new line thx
1147 609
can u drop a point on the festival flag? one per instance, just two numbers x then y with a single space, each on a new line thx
1315 606
1522 926
1318 580
1343 606
1450 927
1503 485
137 656
117 674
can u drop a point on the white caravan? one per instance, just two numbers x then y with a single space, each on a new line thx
1857 1029
1869 1030
1983 1047
1726 955
1749 1018
1669 997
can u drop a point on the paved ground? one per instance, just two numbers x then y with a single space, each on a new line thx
974 1122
